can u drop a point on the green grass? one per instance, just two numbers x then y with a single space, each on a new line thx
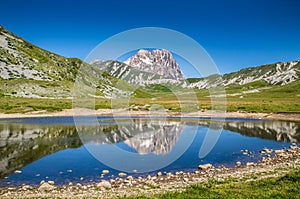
287 186
275 99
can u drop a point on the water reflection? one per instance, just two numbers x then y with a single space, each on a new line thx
23 143
281 131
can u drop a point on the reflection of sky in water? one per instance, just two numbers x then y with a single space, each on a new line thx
226 151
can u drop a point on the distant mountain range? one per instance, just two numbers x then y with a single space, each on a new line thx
31 72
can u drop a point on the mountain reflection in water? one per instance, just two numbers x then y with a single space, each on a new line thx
23 143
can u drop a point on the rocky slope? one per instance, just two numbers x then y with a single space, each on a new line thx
280 73
29 71
159 62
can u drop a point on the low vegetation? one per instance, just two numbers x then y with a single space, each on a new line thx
287 186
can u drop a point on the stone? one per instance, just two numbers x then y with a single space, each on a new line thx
104 184
18 171
81 178
51 182
26 187
205 166
159 174
129 178
42 182
69 171
70 184
279 151
122 174
293 147
105 172
185 179
150 182
248 164
46 187
238 164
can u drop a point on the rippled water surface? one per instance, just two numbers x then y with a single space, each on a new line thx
57 149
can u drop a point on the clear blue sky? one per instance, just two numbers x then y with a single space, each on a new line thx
236 33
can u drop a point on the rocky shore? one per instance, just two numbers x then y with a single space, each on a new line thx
272 164
107 112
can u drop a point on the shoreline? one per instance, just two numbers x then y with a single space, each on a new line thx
108 112
278 164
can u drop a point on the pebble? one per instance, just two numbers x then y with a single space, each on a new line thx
104 184
105 172
122 174
279 151
293 147
248 164
205 166
51 182
185 179
46 187
238 164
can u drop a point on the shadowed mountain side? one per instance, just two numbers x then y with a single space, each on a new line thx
276 130
23 144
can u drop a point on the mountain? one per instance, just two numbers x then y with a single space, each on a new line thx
28 71
280 73
159 62
130 74
31 72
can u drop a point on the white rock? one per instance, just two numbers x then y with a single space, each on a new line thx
46 187
104 184
51 182
105 172
205 166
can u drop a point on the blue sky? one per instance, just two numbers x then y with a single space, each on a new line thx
236 33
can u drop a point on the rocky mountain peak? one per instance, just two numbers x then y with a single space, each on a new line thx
158 61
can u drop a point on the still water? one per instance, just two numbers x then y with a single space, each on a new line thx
54 148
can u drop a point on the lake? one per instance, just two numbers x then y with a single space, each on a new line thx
59 149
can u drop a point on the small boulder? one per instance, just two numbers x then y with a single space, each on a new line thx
105 172
238 164
104 184
205 166
279 151
122 174
51 182
248 164
46 187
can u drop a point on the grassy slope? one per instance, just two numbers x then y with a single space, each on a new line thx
287 186
275 99
64 70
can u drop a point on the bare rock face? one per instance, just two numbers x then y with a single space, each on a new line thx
160 62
